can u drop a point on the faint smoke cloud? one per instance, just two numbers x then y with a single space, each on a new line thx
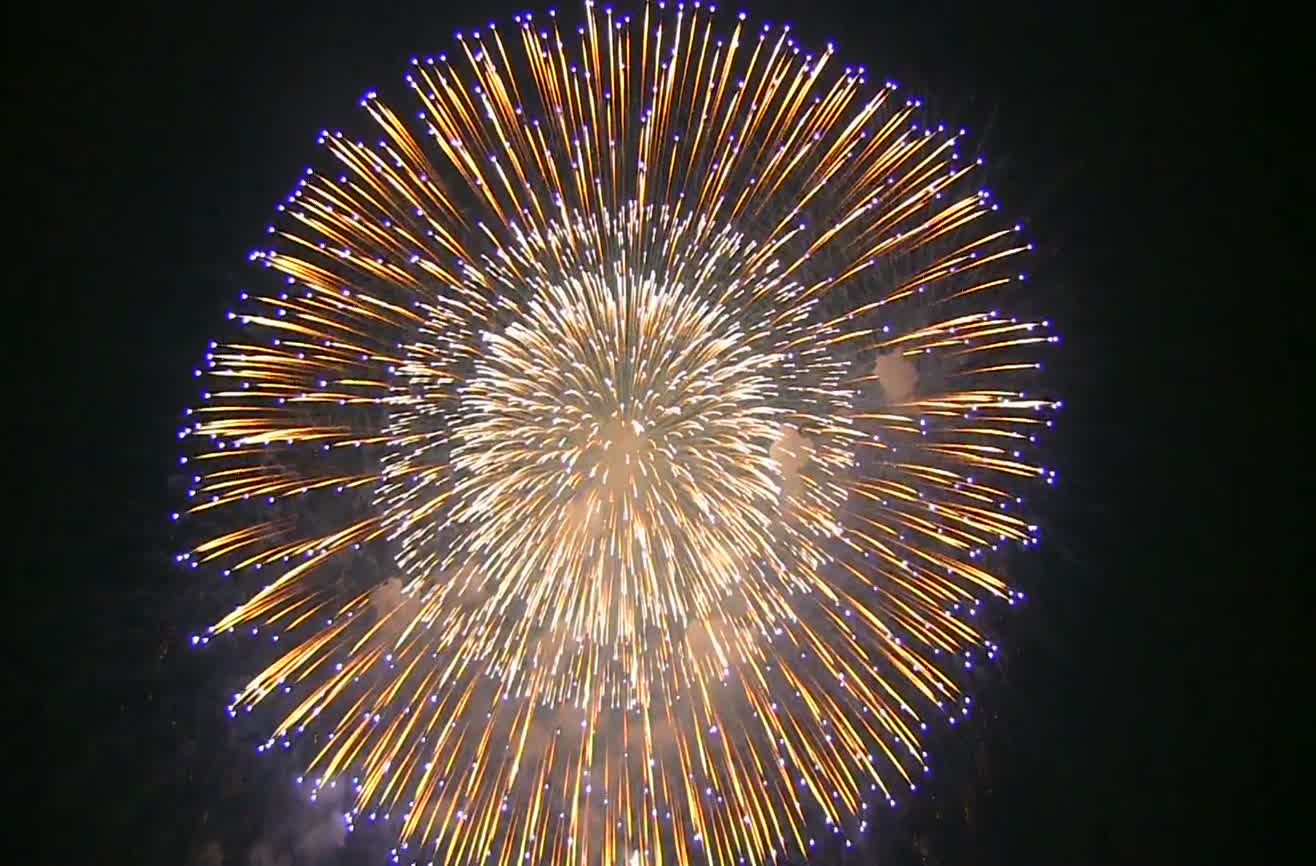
210 854
792 451
390 599
898 377
262 854
387 596
324 837
303 838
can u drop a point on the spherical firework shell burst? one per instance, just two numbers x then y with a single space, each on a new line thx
657 370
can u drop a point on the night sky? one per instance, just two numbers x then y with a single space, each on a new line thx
169 136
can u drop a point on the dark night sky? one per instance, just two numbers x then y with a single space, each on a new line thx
170 136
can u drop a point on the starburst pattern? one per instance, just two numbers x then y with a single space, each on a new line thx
622 453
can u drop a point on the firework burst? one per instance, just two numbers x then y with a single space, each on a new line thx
621 450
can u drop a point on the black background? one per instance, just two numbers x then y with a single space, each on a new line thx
163 137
